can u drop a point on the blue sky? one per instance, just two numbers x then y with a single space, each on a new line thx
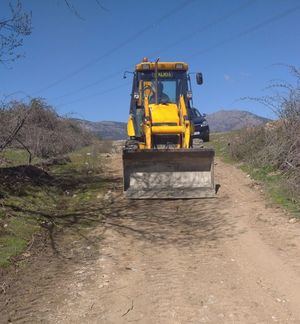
76 64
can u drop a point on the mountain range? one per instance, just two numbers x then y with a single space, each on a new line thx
220 121
229 120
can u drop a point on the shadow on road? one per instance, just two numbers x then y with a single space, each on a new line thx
164 222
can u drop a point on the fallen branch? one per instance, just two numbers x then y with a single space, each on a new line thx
129 309
30 243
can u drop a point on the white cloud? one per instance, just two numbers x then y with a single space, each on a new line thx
227 77
246 74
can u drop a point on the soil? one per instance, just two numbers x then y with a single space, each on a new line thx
26 174
232 259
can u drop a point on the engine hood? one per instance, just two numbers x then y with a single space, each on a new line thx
164 114
199 120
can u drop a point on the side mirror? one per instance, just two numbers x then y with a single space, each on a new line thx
199 78
204 115
125 74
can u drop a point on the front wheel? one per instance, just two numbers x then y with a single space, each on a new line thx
197 143
131 145
206 138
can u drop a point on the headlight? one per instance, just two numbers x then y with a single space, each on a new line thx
204 123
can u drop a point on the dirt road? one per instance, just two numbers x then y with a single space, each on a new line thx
233 259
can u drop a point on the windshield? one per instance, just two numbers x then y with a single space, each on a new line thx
196 112
170 85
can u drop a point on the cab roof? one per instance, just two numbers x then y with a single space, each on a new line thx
150 66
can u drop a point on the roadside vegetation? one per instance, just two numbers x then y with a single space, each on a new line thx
271 153
38 130
51 176
39 201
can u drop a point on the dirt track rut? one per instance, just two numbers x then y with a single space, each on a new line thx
233 259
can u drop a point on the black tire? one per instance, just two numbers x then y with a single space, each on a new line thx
206 138
131 145
197 142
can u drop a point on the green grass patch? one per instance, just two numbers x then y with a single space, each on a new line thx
18 232
220 142
68 196
16 157
21 228
272 181
10 246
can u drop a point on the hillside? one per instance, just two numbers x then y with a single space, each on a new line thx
105 129
227 120
221 121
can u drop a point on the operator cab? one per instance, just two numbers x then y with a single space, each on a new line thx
166 89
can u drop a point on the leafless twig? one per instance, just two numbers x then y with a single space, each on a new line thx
129 309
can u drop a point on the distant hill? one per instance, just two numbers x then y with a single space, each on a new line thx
105 129
220 121
228 120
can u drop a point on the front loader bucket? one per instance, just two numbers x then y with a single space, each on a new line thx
169 174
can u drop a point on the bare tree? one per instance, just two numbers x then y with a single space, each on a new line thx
13 29
12 120
37 128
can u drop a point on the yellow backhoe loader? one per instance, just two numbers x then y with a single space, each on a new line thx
159 160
